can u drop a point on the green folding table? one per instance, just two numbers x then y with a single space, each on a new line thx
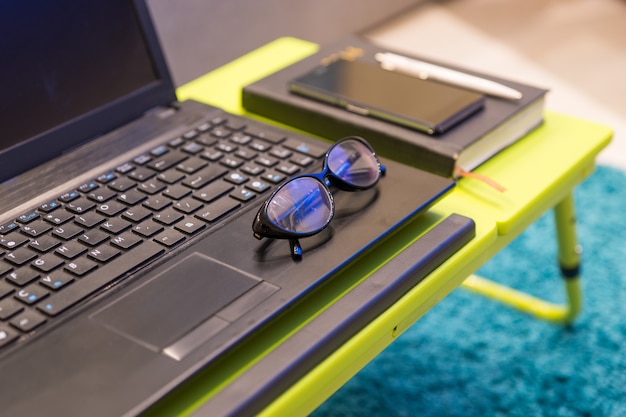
539 174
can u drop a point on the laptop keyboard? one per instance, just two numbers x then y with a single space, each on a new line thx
67 250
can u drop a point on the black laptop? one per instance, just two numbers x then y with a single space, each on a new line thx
127 256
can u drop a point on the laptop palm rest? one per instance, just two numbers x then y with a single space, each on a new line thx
160 313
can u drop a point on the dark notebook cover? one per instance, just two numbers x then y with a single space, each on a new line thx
470 143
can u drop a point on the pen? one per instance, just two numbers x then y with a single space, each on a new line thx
426 71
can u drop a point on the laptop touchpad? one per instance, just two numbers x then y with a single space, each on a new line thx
173 303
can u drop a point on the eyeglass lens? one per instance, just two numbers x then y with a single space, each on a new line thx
301 206
354 163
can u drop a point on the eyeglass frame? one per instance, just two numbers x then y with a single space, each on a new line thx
262 226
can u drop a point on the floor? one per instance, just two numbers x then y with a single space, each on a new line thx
576 48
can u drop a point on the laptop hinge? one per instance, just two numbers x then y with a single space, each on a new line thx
161 112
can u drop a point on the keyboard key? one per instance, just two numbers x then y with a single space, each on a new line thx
167 161
103 253
20 256
242 194
136 214
47 262
192 148
6 289
157 203
191 165
47 207
252 170
274 177
124 168
132 197
270 136
169 237
281 153
302 160
147 228
226 147
80 205
232 163
190 225
93 237
206 140
187 205
111 208
101 195
88 186
106 178
89 220
126 240
28 320
27 217
175 143
31 294
44 243
7 335
142 159
217 209
167 217
67 231
258 186
70 250
289 169
315 150
122 184
259 146
240 138
12 241
9 307
213 191
177 191
117 225
22 276
80 266
266 161
58 217
212 155
205 176
36 228
151 187
159 151
5 269
7 227
101 277
67 197
56 280
171 176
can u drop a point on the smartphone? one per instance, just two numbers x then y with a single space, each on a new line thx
369 90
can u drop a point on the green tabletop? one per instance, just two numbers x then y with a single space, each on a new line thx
537 172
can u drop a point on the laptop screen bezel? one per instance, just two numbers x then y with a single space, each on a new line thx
47 145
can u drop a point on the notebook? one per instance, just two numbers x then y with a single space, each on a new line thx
127 259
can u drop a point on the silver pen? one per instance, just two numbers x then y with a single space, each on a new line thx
426 71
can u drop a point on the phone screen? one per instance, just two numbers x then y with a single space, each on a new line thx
369 90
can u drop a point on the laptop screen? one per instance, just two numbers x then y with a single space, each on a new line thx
65 62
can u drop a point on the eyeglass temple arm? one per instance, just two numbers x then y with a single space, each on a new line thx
296 249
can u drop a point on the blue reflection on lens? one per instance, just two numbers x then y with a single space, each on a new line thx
353 162
303 205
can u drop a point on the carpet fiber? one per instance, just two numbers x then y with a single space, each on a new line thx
470 356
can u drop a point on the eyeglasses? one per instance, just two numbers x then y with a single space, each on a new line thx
304 205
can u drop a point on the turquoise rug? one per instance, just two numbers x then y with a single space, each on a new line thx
470 356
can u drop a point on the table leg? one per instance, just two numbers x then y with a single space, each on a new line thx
569 262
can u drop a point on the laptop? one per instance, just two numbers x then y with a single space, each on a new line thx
127 258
